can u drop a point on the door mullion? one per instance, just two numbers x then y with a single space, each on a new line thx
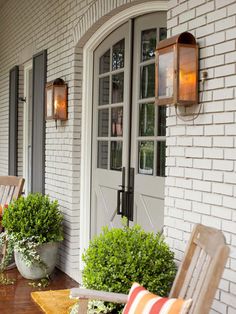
129 188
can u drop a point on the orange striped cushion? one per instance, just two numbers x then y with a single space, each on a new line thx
141 301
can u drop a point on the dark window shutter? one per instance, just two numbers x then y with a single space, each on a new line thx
13 118
38 122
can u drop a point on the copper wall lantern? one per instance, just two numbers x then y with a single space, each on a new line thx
56 100
177 70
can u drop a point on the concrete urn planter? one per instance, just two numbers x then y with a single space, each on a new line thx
48 253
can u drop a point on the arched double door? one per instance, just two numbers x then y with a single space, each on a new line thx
128 144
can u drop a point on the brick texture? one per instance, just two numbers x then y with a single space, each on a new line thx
201 181
28 27
209 141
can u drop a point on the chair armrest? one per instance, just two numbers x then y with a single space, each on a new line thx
98 295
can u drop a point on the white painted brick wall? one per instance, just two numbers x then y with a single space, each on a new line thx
27 28
203 188
209 187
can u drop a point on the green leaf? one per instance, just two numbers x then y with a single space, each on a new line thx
118 257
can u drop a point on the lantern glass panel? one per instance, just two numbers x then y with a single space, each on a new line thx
49 102
187 74
60 102
166 74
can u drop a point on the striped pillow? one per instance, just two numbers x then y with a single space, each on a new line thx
141 301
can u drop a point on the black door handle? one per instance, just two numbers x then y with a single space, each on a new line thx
130 195
121 195
125 198
119 202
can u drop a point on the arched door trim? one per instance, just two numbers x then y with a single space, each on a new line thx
88 49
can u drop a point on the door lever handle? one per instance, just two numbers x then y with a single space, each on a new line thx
130 196
119 201
121 194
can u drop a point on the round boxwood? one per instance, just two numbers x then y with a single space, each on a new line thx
118 257
34 216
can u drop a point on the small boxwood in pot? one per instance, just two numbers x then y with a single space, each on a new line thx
118 257
30 222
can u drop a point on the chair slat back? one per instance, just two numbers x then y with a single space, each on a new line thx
200 272
10 188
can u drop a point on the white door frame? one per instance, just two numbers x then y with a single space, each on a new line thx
88 49
27 68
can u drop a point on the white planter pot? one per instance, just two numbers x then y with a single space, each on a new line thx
48 253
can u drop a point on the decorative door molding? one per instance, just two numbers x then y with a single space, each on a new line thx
86 138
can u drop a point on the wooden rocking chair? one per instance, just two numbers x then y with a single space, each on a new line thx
197 278
10 188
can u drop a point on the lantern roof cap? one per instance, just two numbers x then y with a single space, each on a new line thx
183 38
58 81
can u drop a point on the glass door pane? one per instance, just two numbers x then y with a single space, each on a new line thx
148 44
146 119
118 55
110 107
151 128
110 126
148 125
146 157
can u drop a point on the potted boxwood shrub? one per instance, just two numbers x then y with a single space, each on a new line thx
120 256
33 227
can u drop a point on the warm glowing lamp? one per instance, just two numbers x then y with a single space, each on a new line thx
177 70
56 100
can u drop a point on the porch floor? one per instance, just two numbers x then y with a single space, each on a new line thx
16 299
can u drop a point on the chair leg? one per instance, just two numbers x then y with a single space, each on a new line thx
83 306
